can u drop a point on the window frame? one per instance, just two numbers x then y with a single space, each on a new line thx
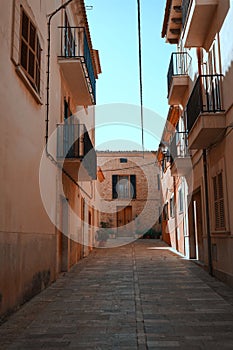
131 181
35 80
172 206
180 199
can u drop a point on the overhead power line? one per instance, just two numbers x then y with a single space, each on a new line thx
140 73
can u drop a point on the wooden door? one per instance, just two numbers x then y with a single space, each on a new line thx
124 217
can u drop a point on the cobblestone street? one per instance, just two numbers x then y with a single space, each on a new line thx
139 296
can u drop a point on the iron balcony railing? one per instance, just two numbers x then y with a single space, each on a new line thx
179 65
73 142
74 44
179 146
185 7
206 97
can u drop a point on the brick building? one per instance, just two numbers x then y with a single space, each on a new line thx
129 193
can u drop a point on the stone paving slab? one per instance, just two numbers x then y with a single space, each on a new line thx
139 296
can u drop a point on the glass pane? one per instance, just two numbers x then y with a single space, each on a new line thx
31 64
123 187
38 78
25 26
23 58
38 50
32 36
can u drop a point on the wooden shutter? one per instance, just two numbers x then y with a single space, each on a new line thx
133 186
219 209
114 183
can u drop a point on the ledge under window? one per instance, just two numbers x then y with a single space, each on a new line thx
27 83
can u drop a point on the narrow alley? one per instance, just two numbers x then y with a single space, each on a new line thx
138 296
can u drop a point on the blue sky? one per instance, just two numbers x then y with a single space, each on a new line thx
113 27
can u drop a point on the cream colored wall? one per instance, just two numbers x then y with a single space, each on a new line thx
29 241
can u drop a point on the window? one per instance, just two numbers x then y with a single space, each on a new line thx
30 51
67 111
219 209
123 160
172 206
165 212
124 186
181 202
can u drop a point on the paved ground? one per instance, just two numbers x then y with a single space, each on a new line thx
140 296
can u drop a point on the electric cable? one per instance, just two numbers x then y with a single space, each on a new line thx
140 73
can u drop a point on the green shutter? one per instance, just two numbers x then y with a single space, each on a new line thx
133 186
114 183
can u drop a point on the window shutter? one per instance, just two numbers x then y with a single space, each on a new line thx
133 186
114 183
219 209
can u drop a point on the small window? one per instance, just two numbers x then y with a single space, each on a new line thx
123 160
30 51
172 206
181 200
124 186
219 209
165 212
67 111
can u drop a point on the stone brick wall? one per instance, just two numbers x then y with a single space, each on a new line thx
145 207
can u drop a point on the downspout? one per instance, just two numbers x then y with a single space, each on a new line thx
210 267
175 213
48 73
49 155
205 171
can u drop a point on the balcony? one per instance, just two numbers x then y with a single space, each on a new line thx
178 78
205 115
180 158
77 65
76 152
202 20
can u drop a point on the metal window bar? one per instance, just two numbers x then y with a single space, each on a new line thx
179 145
179 65
74 44
73 142
206 97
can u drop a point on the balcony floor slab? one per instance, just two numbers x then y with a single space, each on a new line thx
208 129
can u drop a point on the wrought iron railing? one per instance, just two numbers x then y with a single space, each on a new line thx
179 65
185 7
206 97
74 45
73 142
179 146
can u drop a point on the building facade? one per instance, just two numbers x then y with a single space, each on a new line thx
128 194
199 87
48 76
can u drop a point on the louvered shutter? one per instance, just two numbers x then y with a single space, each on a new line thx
133 186
114 184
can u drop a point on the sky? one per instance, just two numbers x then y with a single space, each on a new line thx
114 32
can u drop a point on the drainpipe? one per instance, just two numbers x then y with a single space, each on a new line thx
48 76
205 171
175 213
49 155
210 263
